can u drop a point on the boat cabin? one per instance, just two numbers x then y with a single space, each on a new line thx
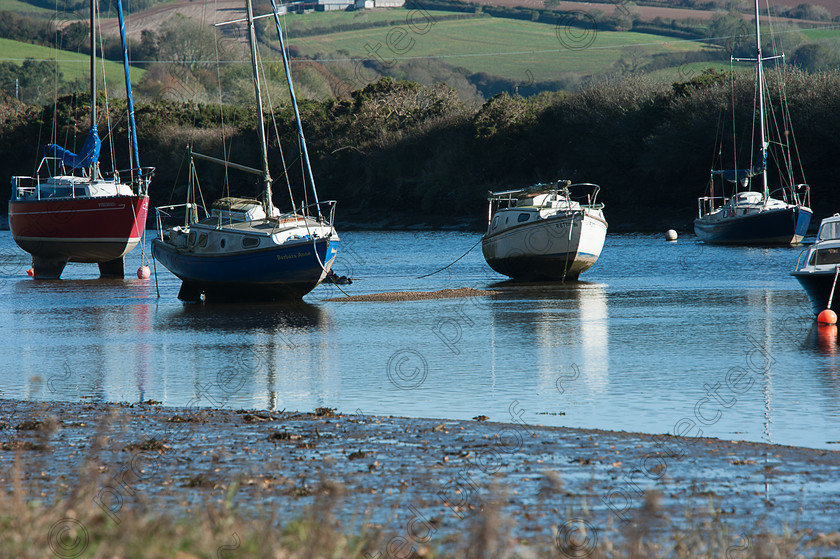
62 187
829 228
237 209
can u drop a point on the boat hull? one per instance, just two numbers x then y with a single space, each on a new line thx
783 226
284 272
93 230
818 287
553 249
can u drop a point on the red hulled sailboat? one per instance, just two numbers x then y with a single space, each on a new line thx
69 211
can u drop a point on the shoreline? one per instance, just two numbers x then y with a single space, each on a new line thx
385 472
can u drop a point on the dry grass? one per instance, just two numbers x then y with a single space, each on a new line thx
32 526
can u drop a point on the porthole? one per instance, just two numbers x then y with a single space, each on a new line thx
523 217
222 243
250 242
202 240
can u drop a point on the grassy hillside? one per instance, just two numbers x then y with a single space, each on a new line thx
504 47
73 65
23 7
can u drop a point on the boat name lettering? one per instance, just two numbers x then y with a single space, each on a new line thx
290 256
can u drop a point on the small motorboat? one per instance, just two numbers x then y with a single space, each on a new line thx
818 267
547 232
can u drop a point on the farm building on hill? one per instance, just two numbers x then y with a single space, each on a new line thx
332 5
360 4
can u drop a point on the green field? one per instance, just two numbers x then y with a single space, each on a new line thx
72 65
23 7
503 47
818 34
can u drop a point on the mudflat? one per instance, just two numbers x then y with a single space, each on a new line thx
421 483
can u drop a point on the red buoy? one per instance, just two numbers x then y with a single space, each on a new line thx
30 272
143 272
827 316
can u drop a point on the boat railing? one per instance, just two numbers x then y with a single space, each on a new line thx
708 204
324 217
795 194
168 214
24 187
139 178
585 194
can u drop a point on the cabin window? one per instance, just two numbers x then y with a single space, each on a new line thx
79 191
495 222
191 240
58 191
202 240
250 242
830 230
825 256
523 217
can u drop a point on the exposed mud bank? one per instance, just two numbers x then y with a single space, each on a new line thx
417 478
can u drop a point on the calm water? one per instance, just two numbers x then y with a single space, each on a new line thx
647 343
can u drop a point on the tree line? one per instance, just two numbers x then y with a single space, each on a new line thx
400 148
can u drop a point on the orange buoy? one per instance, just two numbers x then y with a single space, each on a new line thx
143 272
827 316
30 272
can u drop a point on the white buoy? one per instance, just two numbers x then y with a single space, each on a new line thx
670 235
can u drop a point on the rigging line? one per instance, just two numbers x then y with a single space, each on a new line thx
280 149
178 174
197 186
101 48
225 150
453 262
734 136
785 166
282 155
267 94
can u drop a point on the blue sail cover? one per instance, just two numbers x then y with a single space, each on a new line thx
738 175
88 156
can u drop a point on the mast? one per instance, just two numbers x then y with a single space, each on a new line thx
94 166
301 138
132 130
760 72
252 41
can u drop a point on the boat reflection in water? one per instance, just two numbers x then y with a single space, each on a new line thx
563 330
272 354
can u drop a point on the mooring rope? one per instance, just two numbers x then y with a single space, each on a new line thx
451 263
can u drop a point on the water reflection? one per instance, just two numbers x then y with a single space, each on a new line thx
243 317
563 327
256 355
633 350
